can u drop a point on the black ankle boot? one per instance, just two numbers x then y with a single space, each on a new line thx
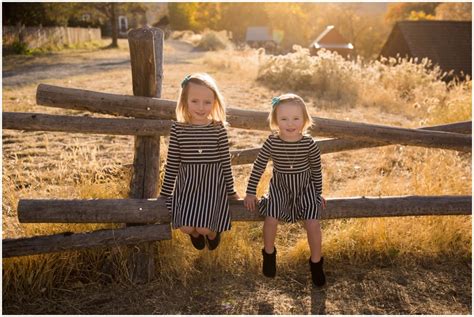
317 274
269 263
198 242
212 244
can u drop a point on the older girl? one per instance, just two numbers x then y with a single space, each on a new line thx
199 163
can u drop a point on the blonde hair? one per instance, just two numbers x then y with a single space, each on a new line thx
289 98
218 110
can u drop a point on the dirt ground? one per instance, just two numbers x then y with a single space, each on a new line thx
430 285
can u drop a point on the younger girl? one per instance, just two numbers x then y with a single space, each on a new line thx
296 184
199 162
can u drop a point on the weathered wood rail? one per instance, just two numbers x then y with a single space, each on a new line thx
69 241
155 108
155 211
145 127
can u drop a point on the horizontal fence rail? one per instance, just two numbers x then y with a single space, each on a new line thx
248 156
75 241
154 108
154 210
28 121
142 127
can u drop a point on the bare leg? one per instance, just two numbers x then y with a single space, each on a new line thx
313 231
270 226
206 232
189 230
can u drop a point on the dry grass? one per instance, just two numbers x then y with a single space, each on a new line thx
374 265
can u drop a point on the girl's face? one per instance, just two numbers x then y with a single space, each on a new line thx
200 102
290 120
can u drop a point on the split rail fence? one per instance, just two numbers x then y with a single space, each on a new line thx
146 217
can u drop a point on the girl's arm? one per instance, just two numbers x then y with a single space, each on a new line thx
315 164
259 167
225 159
172 164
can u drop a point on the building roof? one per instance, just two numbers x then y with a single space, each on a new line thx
331 38
258 33
446 43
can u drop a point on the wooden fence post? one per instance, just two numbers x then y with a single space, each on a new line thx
146 56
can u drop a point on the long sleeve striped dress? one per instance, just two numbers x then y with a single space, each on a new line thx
198 176
296 184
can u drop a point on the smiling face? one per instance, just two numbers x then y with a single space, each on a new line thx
200 102
290 120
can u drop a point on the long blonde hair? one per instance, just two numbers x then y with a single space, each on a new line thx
287 98
218 109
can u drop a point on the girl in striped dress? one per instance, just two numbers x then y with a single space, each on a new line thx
296 184
198 178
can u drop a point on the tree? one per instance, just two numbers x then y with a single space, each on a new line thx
237 17
35 14
402 11
458 11
109 11
182 15
420 15
292 19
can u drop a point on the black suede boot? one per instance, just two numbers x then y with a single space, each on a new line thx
317 274
269 263
212 244
198 242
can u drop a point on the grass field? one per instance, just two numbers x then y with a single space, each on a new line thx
407 265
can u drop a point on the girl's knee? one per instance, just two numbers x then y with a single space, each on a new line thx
203 231
271 221
312 224
187 230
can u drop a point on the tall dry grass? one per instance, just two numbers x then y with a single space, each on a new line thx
394 85
420 97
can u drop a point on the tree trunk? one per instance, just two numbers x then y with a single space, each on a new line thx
113 22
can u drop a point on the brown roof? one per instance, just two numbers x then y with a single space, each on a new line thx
330 38
446 43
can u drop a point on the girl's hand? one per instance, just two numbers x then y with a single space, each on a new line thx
250 201
234 197
323 202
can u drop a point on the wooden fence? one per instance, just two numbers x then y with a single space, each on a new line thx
38 37
150 120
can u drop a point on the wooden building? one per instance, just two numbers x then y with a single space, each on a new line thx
331 40
446 43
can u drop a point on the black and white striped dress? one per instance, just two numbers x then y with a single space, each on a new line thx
199 163
296 184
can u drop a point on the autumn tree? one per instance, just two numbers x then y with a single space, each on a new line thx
456 11
403 10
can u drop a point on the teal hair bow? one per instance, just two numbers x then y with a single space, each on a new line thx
185 80
275 101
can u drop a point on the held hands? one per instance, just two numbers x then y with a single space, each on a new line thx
234 197
250 202
323 202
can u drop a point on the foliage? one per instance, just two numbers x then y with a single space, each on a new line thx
402 11
458 11
300 23
34 14
20 48
214 41
182 15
